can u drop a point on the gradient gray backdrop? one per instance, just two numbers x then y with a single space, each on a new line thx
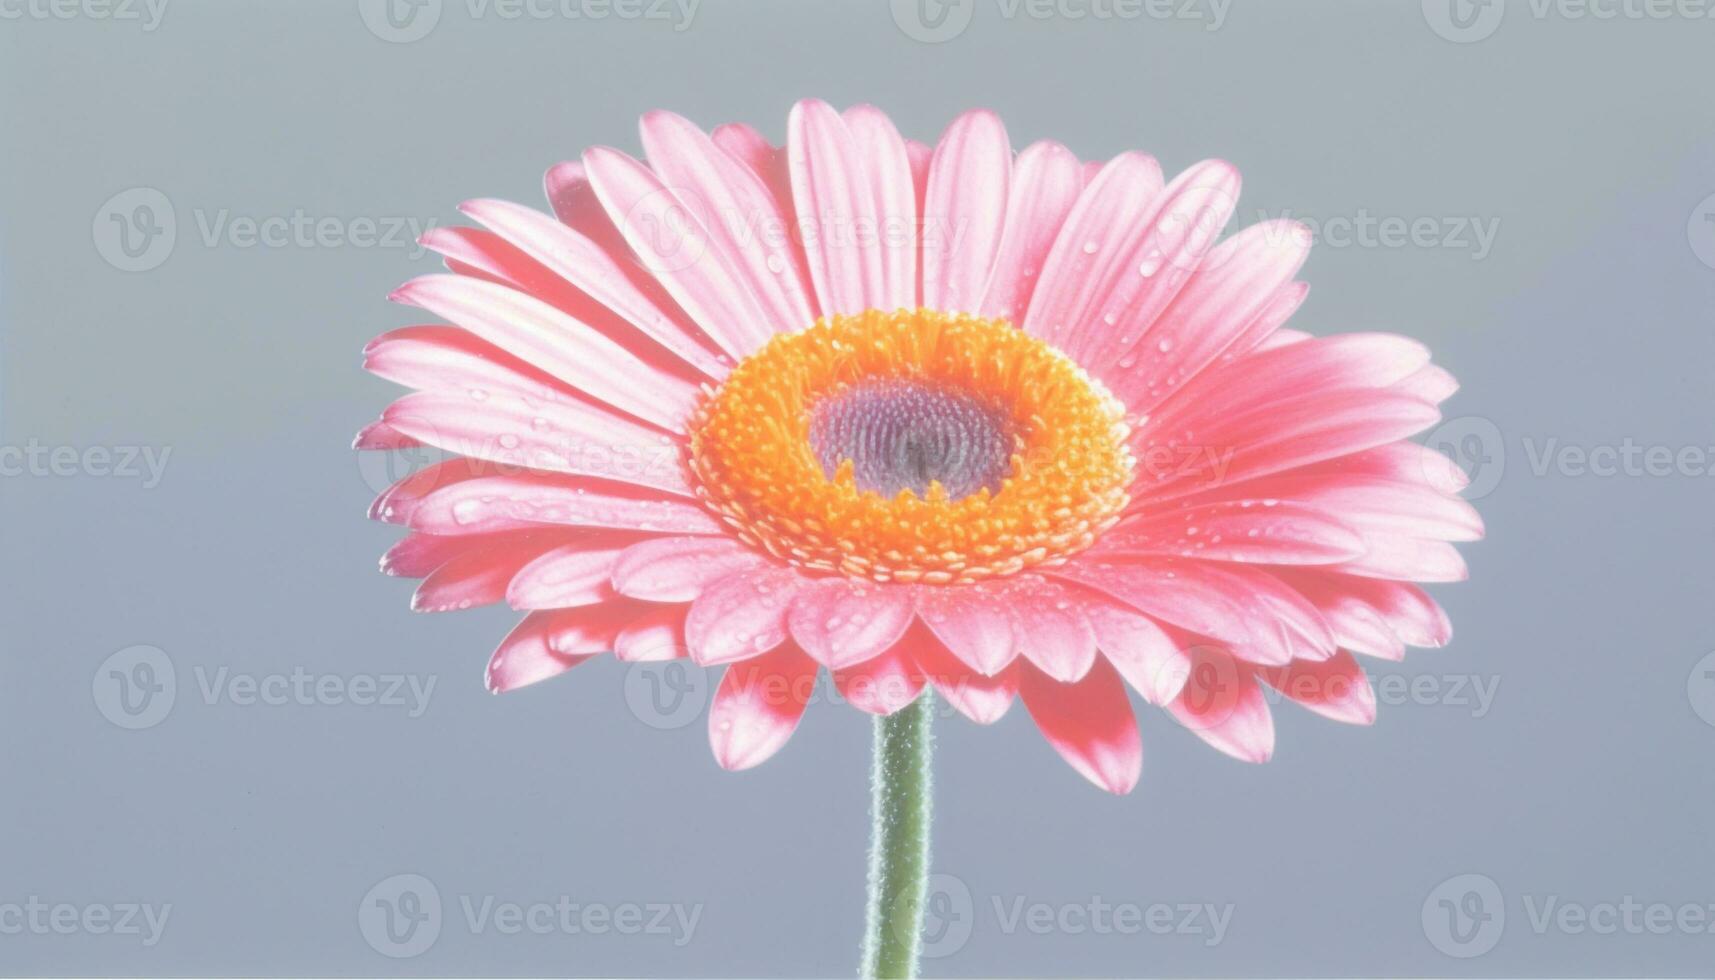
1586 143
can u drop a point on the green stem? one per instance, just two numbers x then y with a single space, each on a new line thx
899 840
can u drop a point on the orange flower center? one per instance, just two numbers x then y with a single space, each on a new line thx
912 446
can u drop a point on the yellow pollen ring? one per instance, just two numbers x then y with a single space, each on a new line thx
751 452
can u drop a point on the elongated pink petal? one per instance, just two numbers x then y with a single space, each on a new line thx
1089 723
501 502
1109 213
743 220
577 574
1050 629
888 681
1223 705
678 569
474 577
548 643
416 555
564 347
965 211
1354 623
1404 608
979 697
742 615
1149 659
1431 383
1384 504
836 209
1335 688
440 358
396 504
1238 530
888 168
842 622
1046 181
655 633
758 705
973 622
1396 556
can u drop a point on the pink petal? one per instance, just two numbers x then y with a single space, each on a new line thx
758 706
835 207
1109 213
672 242
439 358
1353 623
888 168
1238 530
741 615
1150 660
1046 182
678 569
1406 610
378 435
478 576
1223 705
600 279
964 211
1396 556
981 698
566 348
1051 631
501 502
973 621
577 574
654 634
416 555
1431 383
396 504
1411 507
1335 688
1089 723
744 221
545 644
889 681
842 622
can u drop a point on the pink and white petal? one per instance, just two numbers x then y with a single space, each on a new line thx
1146 269
965 211
1372 503
1109 212
1236 282
1432 383
416 555
478 576
679 569
1046 181
1171 590
843 622
600 280
1336 688
1281 533
1264 330
973 622
758 705
656 633
1396 556
576 574
979 697
1354 624
673 244
550 642
1050 629
395 504
494 503
488 256
441 358
889 681
741 615
1089 722
378 435
834 202
1395 462
742 217
888 168
1406 610
1153 662
1223 705
569 436
572 351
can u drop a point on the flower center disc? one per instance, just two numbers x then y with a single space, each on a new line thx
912 446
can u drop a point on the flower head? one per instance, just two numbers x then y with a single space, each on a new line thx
1007 425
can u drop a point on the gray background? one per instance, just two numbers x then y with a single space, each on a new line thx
1586 779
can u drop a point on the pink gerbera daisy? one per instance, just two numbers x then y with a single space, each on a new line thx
998 424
